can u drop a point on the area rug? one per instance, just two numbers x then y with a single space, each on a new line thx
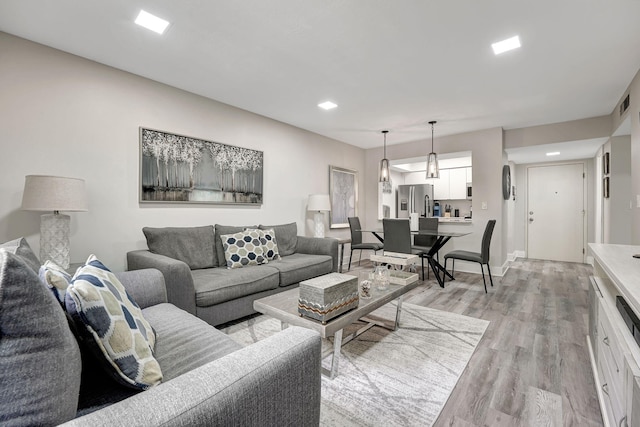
390 378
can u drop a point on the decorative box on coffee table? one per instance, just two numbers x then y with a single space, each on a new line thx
325 297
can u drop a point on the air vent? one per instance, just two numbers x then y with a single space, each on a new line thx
624 105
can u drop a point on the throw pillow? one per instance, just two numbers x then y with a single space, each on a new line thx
112 326
39 357
244 248
269 243
287 235
56 278
226 229
21 248
194 246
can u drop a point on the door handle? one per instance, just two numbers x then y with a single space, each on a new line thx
606 340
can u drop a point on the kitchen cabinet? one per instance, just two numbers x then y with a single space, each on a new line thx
469 174
441 186
613 349
458 184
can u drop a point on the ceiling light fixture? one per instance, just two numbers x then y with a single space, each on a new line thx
506 45
553 153
151 22
385 172
327 105
433 170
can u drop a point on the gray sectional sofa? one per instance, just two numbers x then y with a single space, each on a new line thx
209 379
192 260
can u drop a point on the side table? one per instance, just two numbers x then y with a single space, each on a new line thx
341 243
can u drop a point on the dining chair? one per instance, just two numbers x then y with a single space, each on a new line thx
424 243
356 240
397 238
481 257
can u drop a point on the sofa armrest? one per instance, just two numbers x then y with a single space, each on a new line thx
177 277
146 287
275 381
319 246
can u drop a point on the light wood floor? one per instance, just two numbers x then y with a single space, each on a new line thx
532 366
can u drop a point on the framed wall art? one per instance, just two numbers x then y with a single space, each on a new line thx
181 169
343 190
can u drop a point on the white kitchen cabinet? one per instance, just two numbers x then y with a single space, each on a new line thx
441 186
458 184
469 174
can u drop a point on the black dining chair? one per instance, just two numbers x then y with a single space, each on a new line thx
356 240
424 243
397 237
481 257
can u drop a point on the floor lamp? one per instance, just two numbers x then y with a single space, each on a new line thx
319 203
54 193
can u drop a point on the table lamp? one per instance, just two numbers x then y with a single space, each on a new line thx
319 203
54 193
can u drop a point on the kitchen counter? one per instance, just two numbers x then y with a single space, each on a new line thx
455 220
621 268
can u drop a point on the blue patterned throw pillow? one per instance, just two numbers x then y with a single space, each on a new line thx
113 326
268 242
244 248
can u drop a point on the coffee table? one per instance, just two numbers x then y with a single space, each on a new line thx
284 307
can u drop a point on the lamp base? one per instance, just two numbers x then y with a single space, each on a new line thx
318 219
54 239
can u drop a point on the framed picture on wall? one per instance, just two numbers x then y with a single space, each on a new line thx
605 187
605 164
181 169
343 190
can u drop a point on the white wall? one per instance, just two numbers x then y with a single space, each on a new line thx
64 115
617 212
633 112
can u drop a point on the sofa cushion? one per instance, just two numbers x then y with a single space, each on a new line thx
195 246
297 267
243 249
184 341
21 248
113 326
56 278
216 285
39 357
226 229
286 235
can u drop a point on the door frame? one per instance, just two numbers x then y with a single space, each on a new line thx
585 200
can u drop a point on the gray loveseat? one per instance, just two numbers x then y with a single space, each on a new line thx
209 379
192 260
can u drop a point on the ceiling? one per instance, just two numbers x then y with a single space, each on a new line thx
387 64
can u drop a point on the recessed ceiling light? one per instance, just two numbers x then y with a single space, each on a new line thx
151 22
553 153
327 105
506 45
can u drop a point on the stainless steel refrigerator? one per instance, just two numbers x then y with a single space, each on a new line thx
414 199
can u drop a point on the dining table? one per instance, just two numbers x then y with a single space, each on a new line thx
442 237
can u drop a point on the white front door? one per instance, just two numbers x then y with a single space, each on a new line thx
555 212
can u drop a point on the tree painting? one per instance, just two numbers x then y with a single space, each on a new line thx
176 168
343 189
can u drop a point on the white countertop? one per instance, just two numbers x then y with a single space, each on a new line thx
454 219
622 269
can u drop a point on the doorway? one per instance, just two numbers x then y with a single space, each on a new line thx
556 212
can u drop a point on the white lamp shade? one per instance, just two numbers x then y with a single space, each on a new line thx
319 202
54 193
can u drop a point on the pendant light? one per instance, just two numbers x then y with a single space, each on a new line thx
433 170
385 172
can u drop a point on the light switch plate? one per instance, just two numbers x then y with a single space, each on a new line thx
484 204
638 200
